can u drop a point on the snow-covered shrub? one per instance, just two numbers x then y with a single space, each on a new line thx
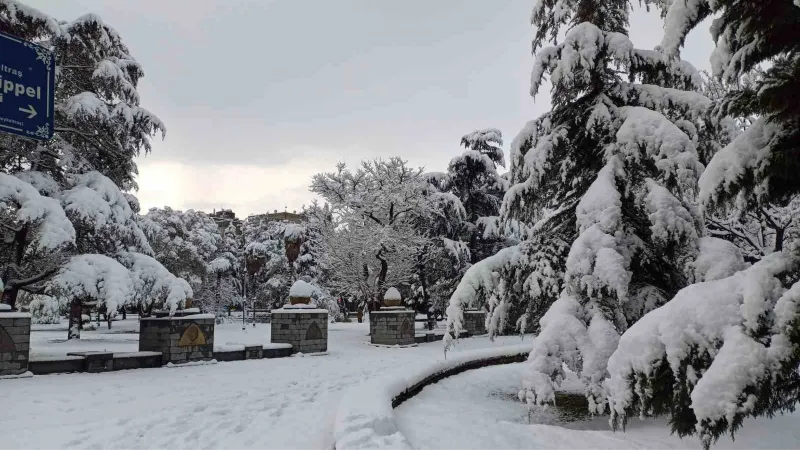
45 310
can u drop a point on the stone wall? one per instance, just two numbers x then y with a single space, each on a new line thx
15 339
475 322
306 329
392 326
179 339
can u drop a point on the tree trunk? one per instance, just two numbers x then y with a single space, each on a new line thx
124 314
10 297
381 280
473 247
423 281
218 296
780 234
75 319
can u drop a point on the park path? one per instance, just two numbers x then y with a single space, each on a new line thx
269 403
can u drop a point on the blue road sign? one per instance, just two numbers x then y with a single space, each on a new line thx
27 88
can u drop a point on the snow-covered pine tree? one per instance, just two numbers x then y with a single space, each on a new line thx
728 349
444 257
762 161
611 171
99 123
758 228
473 178
100 128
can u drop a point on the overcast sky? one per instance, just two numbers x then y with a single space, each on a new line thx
258 95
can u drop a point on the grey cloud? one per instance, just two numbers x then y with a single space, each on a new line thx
262 82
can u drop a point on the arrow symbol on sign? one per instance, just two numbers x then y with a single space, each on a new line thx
30 111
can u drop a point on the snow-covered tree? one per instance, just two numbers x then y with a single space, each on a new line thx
66 220
729 348
37 234
757 227
610 173
91 278
374 211
103 219
472 177
760 164
269 270
185 242
622 154
719 352
153 284
222 287
367 256
99 123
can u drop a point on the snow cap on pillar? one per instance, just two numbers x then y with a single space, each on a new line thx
392 297
300 293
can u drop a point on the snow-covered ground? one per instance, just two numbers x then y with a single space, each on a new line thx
291 402
479 409
51 340
271 403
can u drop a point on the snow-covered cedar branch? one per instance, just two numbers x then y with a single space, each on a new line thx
718 352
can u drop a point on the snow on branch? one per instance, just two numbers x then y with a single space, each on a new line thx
153 283
647 133
95 277
219 265
746 156
97 203
52 228
722 339
19 15
480 281
716 259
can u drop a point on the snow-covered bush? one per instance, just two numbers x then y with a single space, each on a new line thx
45 310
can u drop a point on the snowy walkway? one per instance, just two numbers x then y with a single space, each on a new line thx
490 417
270 403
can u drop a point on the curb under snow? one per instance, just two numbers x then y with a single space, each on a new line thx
365 418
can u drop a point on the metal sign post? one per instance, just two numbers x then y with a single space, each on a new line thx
27 88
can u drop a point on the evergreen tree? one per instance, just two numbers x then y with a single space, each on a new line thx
759 165
99 128
611 172
473 178
728 349
99 124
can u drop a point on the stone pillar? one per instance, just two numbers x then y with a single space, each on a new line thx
15 341
392 326
179 338
475 321
306 328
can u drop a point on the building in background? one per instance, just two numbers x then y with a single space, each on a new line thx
285 216
224 218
